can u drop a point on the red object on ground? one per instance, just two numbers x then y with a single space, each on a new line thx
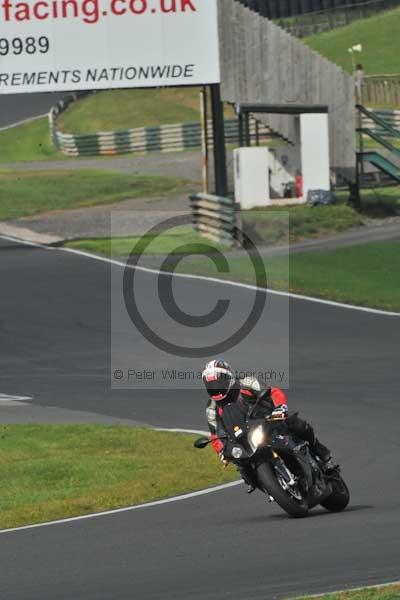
298 180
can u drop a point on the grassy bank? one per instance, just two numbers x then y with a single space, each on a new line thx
378 36
30 141
379 202
264 227
296 223
178 240
24 193
128 109
105 111
389 592
55 471
365 275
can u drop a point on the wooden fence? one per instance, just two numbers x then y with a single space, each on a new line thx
311 23
281 9
262 63
381 91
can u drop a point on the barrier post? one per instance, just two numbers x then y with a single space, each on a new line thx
214 217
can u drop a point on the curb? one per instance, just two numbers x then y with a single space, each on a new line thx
29 235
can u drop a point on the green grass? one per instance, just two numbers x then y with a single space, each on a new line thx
55 471
30 141
376 202
301 222
128 109
266 226
179 240
24 193
370 144
379 36
365 275
390 592
103 111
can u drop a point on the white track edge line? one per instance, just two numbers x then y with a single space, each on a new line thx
235 284
23 122
356 589
105 513
115 511
118 263
17 240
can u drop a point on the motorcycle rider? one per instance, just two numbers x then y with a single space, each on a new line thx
223 387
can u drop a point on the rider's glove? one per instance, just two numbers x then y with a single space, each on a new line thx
280 413
222 458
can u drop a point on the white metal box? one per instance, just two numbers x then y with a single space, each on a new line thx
251 173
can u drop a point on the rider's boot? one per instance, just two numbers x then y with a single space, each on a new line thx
324 454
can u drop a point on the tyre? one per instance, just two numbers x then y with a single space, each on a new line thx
339 498
294 506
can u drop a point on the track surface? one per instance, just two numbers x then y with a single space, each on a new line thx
54 325
17 107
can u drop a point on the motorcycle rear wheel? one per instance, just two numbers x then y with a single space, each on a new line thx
267 478
339 498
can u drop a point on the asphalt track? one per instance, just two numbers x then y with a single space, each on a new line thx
54 324
18 107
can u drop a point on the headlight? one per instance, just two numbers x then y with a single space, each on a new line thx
257 436
237 452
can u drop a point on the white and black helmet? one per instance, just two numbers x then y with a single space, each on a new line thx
218 378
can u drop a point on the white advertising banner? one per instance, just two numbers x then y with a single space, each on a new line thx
58 45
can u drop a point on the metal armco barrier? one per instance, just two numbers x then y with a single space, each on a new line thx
214 217
163 138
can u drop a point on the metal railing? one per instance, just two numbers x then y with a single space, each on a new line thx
383 122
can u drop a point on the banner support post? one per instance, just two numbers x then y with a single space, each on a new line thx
204 139
221 179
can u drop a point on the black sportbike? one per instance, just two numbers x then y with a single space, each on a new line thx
278 464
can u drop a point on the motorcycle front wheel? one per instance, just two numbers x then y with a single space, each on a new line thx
340 496
294 504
